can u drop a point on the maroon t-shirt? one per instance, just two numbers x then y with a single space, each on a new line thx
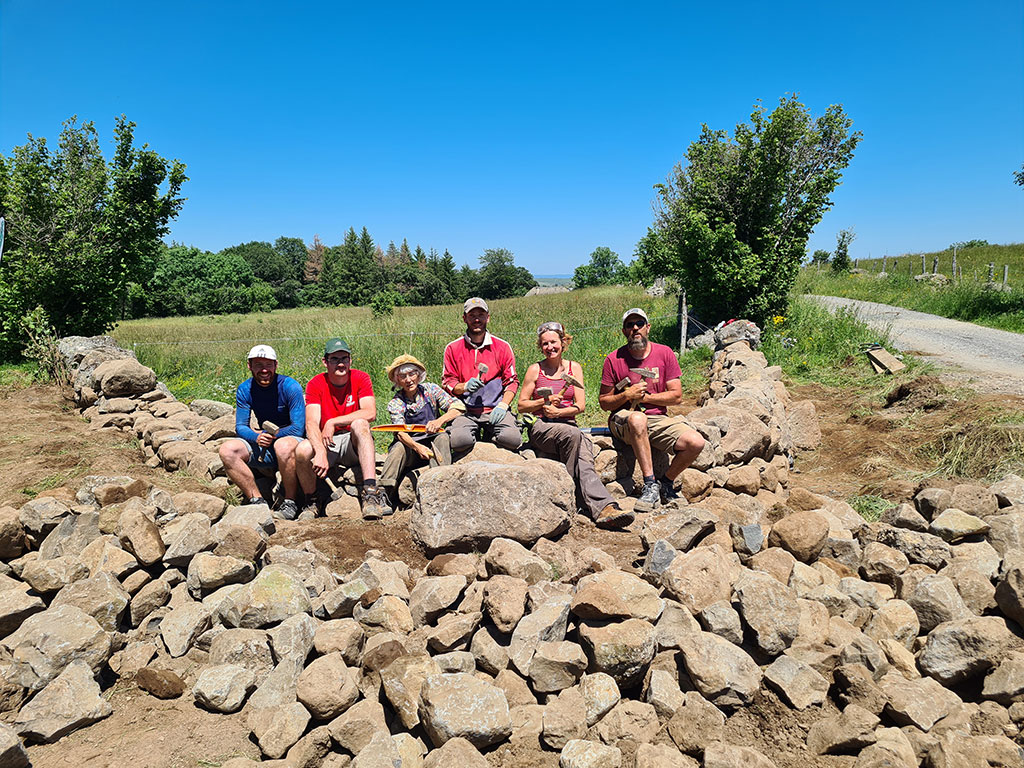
661 358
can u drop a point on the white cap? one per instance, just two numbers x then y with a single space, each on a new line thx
262 350
636 311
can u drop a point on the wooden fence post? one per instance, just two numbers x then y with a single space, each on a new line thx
924 268
684 318
1006 273
991 271
935 265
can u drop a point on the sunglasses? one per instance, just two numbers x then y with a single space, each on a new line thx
634 324
556 327
341 360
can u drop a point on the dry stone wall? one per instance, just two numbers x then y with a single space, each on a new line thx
746 634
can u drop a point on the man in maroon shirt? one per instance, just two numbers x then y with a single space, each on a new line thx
639 410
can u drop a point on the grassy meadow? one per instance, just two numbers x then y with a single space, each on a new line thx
204 357
965 299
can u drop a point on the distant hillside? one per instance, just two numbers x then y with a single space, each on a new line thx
545 281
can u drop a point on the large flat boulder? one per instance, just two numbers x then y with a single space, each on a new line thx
471 503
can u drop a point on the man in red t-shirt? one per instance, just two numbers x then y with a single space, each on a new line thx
339 409
649 424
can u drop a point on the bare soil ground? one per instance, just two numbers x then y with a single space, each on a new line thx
46 448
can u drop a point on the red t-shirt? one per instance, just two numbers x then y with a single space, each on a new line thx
338 401
662 359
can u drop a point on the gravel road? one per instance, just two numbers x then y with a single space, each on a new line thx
986 359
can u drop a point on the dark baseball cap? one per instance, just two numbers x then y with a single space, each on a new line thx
336 345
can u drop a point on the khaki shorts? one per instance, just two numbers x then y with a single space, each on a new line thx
342 451
662 431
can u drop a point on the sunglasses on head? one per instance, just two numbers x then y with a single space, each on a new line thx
556 327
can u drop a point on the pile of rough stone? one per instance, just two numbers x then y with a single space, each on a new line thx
893 643
751 428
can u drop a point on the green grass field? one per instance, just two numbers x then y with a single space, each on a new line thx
204 357
967 299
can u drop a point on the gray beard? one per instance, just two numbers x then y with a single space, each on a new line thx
637 345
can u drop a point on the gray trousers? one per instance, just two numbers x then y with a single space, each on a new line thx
401 458
575 450
505 434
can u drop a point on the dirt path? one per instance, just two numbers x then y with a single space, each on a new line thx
986 359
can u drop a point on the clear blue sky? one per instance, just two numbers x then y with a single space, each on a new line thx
536 127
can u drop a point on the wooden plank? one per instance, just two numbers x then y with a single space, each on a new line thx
883 358
877 368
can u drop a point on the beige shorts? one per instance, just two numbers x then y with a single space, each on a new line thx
342 451
662 431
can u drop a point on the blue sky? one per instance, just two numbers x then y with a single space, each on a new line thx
536 127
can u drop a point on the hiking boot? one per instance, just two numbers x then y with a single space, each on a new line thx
253 500
375 506
288 510
650 497
668 491
613 516
309 512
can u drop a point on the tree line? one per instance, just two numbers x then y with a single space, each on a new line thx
260 276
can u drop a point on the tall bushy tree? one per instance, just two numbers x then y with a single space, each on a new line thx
499 277
80 229
604 268
293 250
734 219
841 257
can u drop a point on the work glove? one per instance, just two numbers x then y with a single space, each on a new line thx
498 413
473 385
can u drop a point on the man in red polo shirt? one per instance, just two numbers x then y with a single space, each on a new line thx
649 424
340 407
480 369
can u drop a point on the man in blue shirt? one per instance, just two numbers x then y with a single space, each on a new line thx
272 398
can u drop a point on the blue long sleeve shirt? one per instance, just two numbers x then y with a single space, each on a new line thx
289 415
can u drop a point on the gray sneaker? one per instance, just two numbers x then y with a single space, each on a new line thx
288 510
668 491
375 505
650 497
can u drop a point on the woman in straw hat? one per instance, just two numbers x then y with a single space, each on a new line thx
421 402
555 430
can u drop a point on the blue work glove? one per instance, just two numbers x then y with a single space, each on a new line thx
498 413
473 385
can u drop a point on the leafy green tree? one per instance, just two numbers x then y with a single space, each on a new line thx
734 220
499 277
841 258
294 251
267 264
821 256
1018 177
80 229
605 268
188 281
